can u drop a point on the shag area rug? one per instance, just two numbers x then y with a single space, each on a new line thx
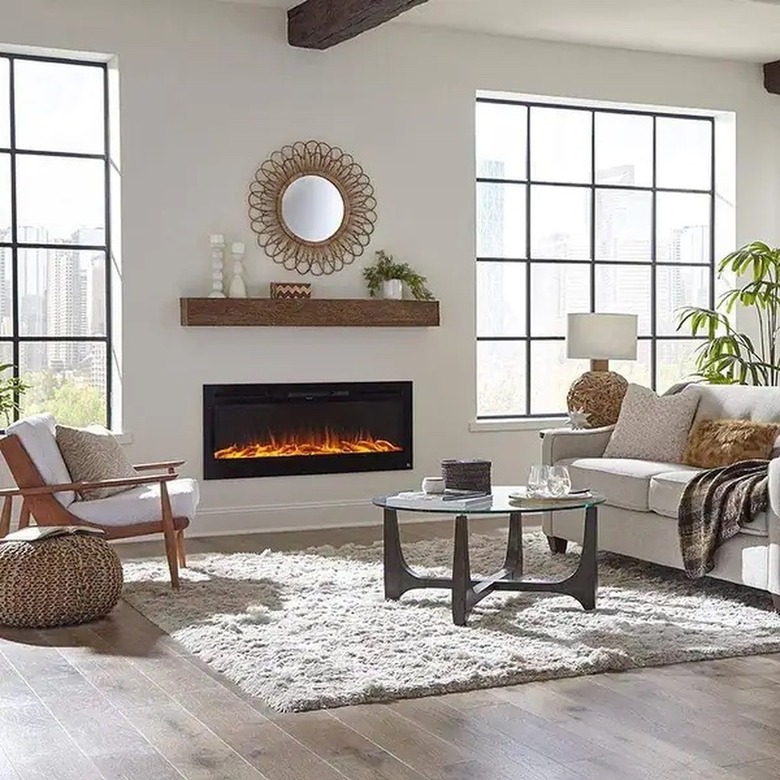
310 630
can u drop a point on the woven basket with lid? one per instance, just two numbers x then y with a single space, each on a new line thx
466 474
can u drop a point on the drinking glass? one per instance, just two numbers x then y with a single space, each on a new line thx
538 478
558 481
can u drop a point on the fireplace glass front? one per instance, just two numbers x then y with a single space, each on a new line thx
266 430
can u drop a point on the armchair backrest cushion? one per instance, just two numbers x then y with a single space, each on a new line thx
36 434
736 402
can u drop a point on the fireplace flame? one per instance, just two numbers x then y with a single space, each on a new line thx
327 442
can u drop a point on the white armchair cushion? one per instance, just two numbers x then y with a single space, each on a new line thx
37 436
139 505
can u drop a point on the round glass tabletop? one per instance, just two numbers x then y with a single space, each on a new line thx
502 500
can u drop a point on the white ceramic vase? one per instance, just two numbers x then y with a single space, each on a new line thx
393 289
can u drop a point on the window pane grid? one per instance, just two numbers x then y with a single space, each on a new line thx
597 109
542 260
63 247
526 338
59 285
583 185
48 153
680 260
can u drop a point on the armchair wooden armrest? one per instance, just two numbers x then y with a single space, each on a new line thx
78 486
169 465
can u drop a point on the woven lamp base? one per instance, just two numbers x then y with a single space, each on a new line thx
600 395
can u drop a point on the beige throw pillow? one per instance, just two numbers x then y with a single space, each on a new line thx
652 427
92 454
714 443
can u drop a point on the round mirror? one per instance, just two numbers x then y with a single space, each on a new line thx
312 208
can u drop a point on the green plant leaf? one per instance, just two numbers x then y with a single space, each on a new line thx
385 268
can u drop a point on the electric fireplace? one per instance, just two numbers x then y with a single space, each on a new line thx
271 430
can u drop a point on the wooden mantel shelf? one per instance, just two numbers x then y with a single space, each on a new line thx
309 312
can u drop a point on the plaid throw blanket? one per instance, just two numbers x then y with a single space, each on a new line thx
714 506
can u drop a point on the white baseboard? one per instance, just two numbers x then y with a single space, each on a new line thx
230 521
267 518
274 518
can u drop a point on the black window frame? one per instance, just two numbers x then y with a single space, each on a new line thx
593 187
14 246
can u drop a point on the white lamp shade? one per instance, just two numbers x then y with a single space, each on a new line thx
601 336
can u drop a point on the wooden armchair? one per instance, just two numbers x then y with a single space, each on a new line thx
157 503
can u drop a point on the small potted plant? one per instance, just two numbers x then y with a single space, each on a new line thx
389 277
10 390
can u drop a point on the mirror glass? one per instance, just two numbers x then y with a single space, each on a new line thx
312 208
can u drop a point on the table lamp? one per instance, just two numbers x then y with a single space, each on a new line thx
595 398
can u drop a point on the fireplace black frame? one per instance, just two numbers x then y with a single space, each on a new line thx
214 468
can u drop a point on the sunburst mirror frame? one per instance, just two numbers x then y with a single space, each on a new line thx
266 192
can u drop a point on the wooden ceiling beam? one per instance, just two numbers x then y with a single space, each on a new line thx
320 24
772 77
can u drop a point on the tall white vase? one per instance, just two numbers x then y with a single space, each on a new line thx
237 287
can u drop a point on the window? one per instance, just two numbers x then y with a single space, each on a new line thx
55 325
584 208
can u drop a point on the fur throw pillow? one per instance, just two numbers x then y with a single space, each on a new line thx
714 443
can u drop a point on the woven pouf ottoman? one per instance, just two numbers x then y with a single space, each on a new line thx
57 580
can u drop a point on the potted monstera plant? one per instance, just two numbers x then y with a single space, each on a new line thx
11 388
729 355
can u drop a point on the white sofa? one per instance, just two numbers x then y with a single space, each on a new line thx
639 518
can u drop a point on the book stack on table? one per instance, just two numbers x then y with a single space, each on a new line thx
454 500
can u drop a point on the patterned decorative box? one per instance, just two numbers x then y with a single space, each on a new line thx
290 290
466 474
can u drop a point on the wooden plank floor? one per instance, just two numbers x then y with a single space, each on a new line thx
119 699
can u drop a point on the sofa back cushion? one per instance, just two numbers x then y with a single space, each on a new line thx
736 402
652 427
36 434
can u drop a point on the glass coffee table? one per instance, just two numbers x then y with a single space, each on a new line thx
468 591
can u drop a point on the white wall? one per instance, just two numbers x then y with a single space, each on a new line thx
209 89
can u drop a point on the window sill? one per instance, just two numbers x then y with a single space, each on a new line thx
527 424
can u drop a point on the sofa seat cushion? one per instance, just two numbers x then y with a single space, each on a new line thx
625 482
139 505
667 488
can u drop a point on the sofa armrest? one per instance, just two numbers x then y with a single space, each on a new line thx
560 443
774 486
773 529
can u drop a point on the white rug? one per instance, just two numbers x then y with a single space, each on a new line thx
312 630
